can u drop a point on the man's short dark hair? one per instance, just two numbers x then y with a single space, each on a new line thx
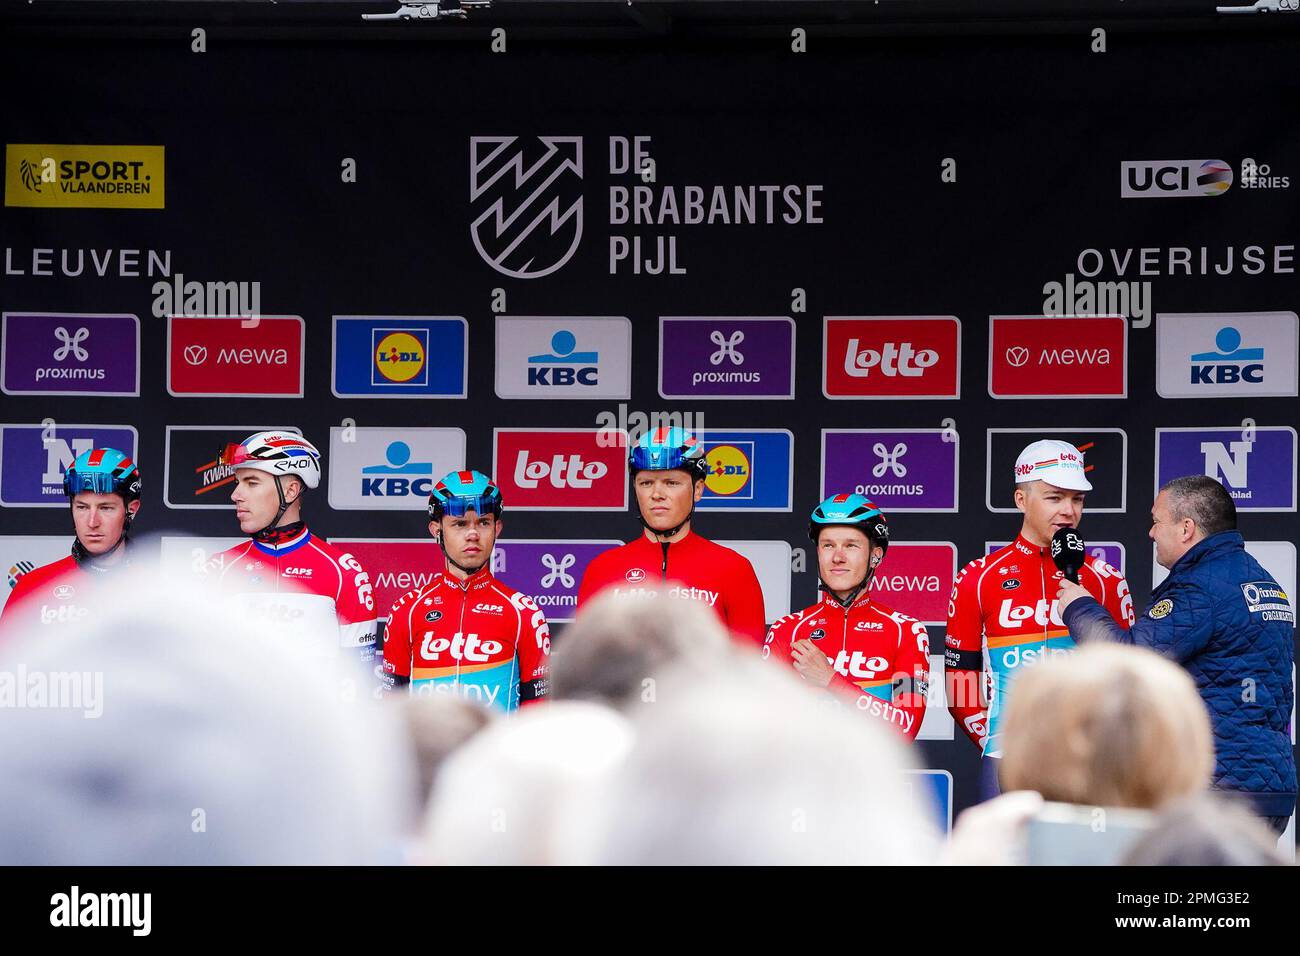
1205 501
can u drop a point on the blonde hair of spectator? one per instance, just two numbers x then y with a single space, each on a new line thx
1108 725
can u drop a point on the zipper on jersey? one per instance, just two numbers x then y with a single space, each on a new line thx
664 569
464 600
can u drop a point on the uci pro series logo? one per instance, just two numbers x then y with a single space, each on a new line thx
1174 177
526 199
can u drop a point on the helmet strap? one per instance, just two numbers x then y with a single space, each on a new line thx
95 562
268 534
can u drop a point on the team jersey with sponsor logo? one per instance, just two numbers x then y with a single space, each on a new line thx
881 657
693 568
54 597
305 589
1002 617
476 638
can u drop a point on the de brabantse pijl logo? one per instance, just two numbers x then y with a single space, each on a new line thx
526 202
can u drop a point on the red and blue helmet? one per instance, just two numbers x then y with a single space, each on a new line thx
852 511
667 449
103 471
460 491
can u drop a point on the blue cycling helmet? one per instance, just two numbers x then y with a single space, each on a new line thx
667 449
853 511
460 491
103 471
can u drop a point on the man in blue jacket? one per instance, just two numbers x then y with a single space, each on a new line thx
1226 620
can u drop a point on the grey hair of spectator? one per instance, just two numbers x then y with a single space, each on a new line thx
497 800
619 643
1207 829
744 766
198 740
438 726
1204 500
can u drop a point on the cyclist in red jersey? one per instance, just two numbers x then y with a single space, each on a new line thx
284 574
465 633
881 658
1003 615
103 490
668 468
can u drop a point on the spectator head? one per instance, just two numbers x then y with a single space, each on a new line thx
1108 725
499 798
744 766
1186 511
438 726
170 731
1206 829
618 646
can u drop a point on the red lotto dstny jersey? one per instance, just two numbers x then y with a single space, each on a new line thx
476 638
881 657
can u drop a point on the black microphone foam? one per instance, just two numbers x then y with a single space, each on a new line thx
1068 552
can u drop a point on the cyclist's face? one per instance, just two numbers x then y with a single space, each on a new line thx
843 557
99 520
256 500
665 497
469 538
1047 509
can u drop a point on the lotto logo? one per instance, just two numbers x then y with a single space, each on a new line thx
1011 614
892 360
459 647
561 469
560 472
858 664
891 356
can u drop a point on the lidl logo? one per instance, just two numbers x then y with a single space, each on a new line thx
400 356
748 470
729 469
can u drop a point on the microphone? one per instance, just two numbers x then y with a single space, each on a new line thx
1068 553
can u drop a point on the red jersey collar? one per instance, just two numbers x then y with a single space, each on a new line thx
479 579
1028 548
861 601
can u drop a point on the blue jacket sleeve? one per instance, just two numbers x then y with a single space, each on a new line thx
1178 625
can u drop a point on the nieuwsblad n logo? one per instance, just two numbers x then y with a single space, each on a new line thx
112 177
33 458
525 198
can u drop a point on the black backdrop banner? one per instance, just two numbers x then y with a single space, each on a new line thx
835 264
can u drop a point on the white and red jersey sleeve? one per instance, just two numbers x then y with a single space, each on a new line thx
355 605
964 653
533 649
912 672
397 640
1111 589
